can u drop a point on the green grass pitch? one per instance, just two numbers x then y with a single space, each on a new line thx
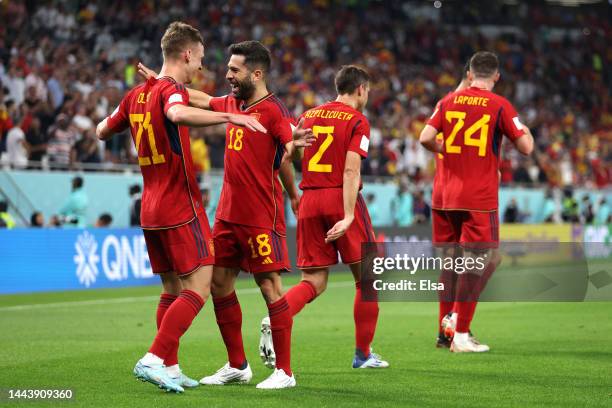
543 354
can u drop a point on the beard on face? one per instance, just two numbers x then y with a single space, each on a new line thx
244 89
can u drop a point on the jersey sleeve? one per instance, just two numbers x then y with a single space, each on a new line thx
118 121
282 127
509 122
436 117
174 94
360 137
218 103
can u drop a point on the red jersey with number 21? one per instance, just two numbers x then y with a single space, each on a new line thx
338 128
252 194
473 122
171 196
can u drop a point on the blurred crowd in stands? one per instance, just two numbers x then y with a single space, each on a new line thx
64 65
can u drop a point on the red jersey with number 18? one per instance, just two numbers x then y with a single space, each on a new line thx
171 196
251 193
338 128
473 122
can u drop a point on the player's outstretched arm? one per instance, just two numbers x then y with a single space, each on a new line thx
190 116
524 144
197 99
350 189
429 141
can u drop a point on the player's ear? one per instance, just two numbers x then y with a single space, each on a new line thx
497 76
187 55
470 77
257 75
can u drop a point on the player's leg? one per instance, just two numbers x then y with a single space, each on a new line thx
171 289
228 312
480 234
281 322
365 312
229 319
176 321
445 235
313 283
365 315
189 249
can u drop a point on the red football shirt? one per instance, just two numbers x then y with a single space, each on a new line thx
473 122
252 194
171 196
338 128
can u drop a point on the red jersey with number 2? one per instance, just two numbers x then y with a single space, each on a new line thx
252 194
171 196
473 122
338 128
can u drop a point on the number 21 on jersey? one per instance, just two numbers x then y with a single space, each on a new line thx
142 122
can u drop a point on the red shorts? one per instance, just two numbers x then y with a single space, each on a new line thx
319 211
181 249
252 249
466 227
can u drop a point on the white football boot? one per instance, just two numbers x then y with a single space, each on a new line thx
465 343
229 375
278 379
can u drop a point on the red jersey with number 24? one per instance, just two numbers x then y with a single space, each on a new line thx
171 196
338 128
473 122
252 194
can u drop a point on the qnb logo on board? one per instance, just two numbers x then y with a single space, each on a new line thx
119 257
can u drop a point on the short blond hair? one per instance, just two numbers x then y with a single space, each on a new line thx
178 37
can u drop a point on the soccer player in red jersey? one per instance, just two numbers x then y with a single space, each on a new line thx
472 121
249 229
176 230
333 217
447 277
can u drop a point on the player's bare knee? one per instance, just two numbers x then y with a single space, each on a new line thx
171 283
270 287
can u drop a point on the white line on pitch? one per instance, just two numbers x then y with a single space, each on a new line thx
132 299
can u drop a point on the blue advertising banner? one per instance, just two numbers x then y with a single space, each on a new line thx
35 260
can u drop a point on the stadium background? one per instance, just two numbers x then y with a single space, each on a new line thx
64 65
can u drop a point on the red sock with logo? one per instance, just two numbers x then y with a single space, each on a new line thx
281 321
229 320
175 323
165 300
299 295
366 317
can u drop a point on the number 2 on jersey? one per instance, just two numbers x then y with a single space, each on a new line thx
144 123
314 162
481 124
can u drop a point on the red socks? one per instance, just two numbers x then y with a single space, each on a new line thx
467 298
175 323
299 295
165 300
447 296
366 317
281 321
229 319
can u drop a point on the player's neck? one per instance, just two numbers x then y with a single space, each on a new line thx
486 84
172 71
347 100
260 92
